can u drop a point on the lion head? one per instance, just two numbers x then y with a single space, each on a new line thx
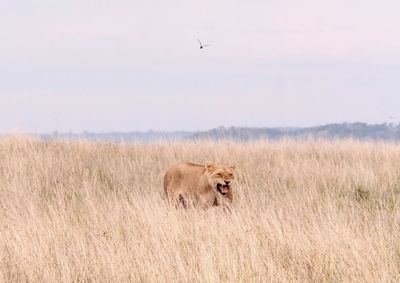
220 177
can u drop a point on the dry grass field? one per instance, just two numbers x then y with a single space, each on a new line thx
312 211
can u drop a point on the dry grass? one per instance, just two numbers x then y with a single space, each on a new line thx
304 211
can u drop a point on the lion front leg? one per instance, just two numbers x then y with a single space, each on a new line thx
204 201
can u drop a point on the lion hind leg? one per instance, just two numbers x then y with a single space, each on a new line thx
182 201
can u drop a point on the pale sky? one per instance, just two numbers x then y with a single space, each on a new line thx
136 65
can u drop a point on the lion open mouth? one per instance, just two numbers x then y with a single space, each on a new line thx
222 189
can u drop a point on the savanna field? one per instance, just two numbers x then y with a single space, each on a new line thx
311 211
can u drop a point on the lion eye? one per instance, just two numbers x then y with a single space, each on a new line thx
219 174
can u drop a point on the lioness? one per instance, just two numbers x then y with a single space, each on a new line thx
202 185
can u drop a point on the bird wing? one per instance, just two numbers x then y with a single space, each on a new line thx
199 41
205 45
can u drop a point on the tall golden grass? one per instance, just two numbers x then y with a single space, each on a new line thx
313 211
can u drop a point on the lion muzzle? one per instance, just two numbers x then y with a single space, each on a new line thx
223 189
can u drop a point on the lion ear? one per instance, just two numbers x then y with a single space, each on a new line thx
210 167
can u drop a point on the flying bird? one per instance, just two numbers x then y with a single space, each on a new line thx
201 45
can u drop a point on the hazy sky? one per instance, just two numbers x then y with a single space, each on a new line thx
72 65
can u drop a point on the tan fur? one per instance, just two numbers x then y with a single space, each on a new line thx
199 185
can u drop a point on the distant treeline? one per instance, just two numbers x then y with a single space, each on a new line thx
360 131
